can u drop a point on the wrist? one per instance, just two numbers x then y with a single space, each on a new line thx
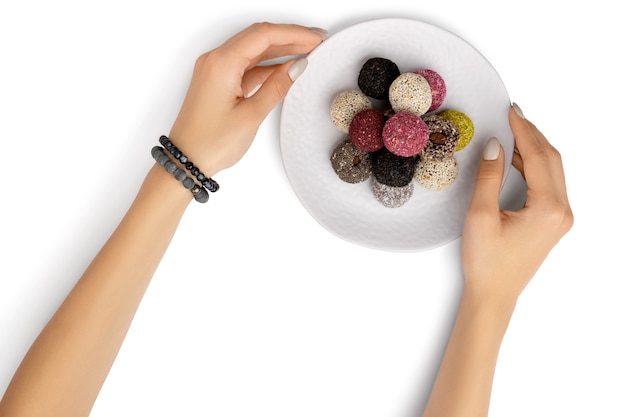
490 302
162 185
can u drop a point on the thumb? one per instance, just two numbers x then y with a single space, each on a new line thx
275 87
489 178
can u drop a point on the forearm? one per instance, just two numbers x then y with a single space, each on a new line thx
65 368
463 384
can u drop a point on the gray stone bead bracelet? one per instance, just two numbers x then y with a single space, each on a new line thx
200 194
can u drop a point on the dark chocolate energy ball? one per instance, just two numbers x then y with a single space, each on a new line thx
376 76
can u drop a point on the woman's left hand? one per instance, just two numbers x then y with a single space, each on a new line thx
218 119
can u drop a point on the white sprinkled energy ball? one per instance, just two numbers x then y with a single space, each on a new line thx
345 106
410 92
392 197
436 175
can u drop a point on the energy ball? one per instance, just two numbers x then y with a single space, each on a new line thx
375 77
391 169
366 130
351 164
465 125
437 87
405 134
410 92
443 137
345 105
436 175
392 197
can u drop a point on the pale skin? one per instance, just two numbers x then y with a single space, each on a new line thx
63 372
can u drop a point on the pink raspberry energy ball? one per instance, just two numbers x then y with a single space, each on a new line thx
437 87
405 134
366 130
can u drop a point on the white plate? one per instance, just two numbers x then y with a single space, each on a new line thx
307 135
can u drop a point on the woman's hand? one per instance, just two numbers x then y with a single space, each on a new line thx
500 253
501 250
218 121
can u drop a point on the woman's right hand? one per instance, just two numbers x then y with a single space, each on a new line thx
502 250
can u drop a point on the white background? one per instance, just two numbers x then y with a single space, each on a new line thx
256 309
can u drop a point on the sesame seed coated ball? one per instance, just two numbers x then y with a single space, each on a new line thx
464 123
410 92
351 164
345 105
391 169
376 76
366 130
405 134
437 87
392 197
436 175
443 138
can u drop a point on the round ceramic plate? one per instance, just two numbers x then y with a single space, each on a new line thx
308 136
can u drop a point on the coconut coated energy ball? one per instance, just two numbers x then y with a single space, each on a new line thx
410 92
392 197
345 106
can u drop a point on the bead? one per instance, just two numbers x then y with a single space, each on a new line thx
207 183
180 174
188 183
200 194
170 166
163 159
156 152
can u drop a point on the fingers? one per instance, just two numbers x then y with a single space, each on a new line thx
274 88
518 163
262 41
254 77
488 179
539 161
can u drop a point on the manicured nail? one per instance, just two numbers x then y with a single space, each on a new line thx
254 90
297 68
518 111
319 31
492 149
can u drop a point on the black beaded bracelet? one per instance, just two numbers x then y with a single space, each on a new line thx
200 194
209 183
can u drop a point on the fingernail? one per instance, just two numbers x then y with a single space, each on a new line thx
492 149
518 111
297 68
319 31
254 90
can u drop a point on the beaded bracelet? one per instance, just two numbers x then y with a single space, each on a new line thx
207 182
200 194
